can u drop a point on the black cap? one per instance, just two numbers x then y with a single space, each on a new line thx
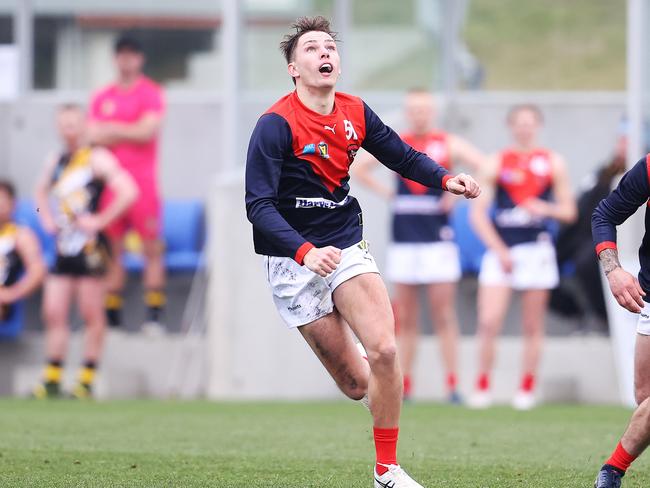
127 43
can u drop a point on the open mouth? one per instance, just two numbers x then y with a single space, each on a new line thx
326 68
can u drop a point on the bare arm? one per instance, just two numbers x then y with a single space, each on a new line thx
107 168
468 155
625 287
110 133
362 170
29 250
479 214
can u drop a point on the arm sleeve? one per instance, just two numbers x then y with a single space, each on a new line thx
632 192
269 145
384 144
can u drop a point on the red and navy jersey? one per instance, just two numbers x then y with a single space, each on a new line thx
522 175
297 172
418 215
632 192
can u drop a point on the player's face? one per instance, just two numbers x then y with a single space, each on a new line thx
524 126
419 112
71 125
129 63
316 62
6 206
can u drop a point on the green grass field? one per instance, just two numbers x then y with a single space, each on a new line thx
202 444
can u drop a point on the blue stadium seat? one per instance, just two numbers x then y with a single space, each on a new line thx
10 329
471 247
183 233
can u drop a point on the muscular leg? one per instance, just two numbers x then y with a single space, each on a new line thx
116 276
442 303
154 267
637 435
331 340
406 297
115 281
493 303
56 309
90 297
364 304
534 306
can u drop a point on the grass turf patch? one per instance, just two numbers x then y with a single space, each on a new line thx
201 444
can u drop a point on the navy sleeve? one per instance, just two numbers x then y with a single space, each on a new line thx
632 192
384 144
269 146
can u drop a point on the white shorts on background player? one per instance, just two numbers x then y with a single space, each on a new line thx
643 324
421 263
301 296
534 268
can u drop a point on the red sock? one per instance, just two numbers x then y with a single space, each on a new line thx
452 381
408 385
528 382
483 382
620 458
386 447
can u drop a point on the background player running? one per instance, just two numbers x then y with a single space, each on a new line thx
68 195
529 187
22 268
310 229
423 251
126 117
632 192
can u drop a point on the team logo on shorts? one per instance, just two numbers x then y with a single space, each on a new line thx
323 151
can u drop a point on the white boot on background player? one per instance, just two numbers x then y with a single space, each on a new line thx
395 477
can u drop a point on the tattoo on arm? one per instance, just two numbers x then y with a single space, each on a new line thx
609 260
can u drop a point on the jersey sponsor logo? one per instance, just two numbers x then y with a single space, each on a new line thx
309 149
540 166
350 133
305 202
323 150
294 308
437 150
417 205
516 217
327 127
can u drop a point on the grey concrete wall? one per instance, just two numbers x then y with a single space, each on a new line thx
582 126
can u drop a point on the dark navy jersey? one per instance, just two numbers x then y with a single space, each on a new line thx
297 172
417 210
521 176
632 192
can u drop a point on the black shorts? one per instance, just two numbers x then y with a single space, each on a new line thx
92 261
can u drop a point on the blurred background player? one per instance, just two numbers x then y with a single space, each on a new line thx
126 117
22 267
309 229
529 187
68 195
423 251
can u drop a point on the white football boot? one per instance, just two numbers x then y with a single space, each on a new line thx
480 400
524 400
395 477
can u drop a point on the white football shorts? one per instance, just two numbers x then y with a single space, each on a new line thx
421 263
534 267
643 324
301 296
